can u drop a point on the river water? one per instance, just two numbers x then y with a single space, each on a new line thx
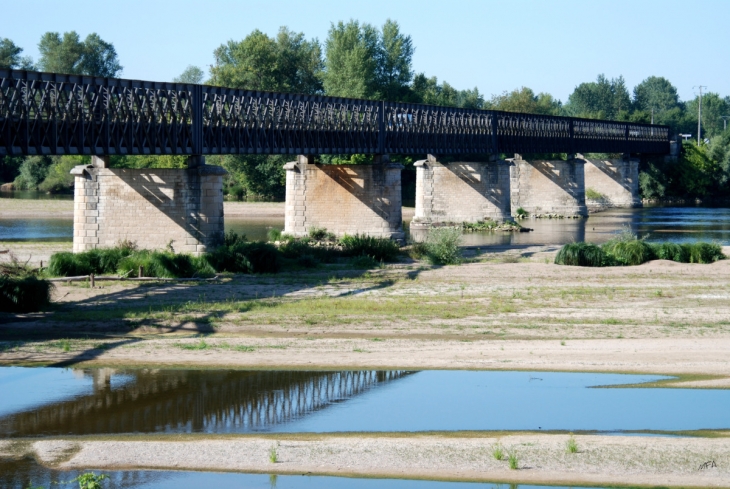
677 224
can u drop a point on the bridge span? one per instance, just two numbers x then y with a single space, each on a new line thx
56 114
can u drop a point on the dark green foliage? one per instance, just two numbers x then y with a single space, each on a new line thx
26 294
380 249
317 234
98 261
293 248
240 256
671 251
364 262
629 252
582 255
274 234
307 261
165 264
703 252
442 246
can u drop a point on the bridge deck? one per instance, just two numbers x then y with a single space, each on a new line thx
54 114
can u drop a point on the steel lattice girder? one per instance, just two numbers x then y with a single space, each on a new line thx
54 114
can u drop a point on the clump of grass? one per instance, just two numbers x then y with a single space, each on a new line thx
629 252
702 252
364 262
488 225
671 251
274 234
244 348
238 255
166 264
90 480
442 246
98 261
317 233
24 294
273 455
582 255
521 213
571 446
498 451
594 195
380 249
307 260
513 461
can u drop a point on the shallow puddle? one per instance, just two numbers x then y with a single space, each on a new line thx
51 401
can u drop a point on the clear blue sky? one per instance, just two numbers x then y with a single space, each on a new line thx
549 46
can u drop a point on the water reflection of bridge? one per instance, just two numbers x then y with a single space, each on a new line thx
194 401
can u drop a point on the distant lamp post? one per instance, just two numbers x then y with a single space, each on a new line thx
724 121
699 114
685 136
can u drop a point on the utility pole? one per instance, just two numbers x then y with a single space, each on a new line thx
699 114
724 121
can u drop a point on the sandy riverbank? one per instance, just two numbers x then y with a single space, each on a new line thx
660 317
542 458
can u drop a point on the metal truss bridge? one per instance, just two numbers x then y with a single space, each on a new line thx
54 114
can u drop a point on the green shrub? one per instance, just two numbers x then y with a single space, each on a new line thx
701 252
380 249
244 257
307 261
164 264
97 261
671 251
594 195
629 252
442 246
318 234
28 294
364 262
582 255
521 213
274 234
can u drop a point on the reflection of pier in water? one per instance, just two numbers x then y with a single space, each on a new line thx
194 401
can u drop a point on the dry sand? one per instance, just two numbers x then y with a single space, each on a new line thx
542 458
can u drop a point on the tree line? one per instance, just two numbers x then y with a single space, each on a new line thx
359 60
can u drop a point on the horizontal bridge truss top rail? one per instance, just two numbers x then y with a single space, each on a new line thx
55 114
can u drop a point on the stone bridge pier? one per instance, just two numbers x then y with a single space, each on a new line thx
548 187
345 199
156 208
612 183
461 191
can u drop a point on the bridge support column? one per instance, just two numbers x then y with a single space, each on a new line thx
612 183
345 199
461 191
156 208
554 188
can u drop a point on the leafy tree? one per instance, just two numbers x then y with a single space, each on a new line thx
524 100
192 74
352 53
713 106
288 63
602 99
32 172
9 54
394 70
429 91
655 93
99 57
68 54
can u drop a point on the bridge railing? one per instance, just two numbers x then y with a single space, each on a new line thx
53 114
